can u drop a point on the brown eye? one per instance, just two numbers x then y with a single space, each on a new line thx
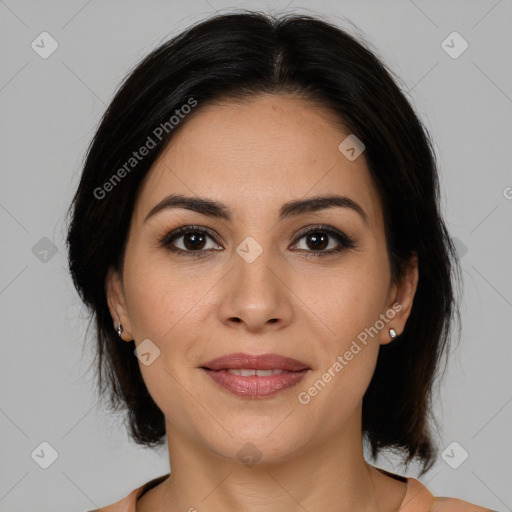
320 237
317 240
194 241
190 241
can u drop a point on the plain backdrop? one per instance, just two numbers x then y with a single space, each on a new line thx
49 109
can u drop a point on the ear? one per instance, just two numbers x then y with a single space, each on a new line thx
116 303
400 300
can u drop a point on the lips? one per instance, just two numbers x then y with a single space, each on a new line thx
261 362
255 376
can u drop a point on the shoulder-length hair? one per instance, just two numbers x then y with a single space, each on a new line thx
236 56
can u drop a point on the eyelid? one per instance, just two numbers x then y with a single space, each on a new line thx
168 237
324 228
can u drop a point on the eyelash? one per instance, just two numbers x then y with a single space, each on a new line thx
167 239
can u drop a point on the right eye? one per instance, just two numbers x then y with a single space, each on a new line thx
192 243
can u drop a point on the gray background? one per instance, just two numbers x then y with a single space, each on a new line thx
49 111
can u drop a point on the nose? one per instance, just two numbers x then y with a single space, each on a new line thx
255 295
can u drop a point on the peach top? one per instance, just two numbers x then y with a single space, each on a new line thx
417 499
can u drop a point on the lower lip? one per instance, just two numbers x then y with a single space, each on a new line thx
254 386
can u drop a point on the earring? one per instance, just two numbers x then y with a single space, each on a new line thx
392 333
119 329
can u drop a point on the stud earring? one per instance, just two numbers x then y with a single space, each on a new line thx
392 333
119 329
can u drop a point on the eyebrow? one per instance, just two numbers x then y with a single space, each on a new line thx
290 209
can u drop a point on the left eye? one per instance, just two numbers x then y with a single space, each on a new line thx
318 239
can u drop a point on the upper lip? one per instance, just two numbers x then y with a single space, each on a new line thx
257 362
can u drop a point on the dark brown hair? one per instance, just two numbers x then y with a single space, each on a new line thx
237 56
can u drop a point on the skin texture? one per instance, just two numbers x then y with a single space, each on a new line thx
254 156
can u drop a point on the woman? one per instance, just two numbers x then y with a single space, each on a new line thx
258 235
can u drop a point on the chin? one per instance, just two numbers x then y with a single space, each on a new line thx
263 442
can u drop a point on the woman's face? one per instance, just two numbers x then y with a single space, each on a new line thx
255 284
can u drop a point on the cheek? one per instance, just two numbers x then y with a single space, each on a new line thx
158 296
335 394
347 300
166 307
339 383
350 303
161 307
150 307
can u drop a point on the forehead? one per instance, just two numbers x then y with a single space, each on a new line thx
257 154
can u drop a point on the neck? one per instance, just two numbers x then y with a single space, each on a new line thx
323 476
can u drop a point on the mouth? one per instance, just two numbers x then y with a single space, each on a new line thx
255 376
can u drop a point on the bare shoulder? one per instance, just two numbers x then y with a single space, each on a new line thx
127 504
456 505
